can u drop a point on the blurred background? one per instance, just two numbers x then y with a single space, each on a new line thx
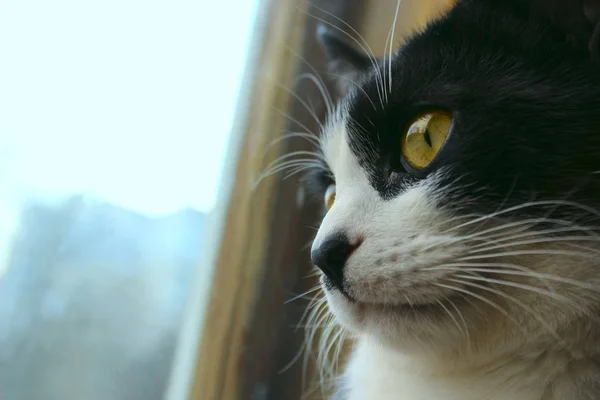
139 259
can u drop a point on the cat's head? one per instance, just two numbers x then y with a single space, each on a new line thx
462 181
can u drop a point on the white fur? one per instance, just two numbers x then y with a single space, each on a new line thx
384 374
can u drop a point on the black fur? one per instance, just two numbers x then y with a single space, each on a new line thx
526 107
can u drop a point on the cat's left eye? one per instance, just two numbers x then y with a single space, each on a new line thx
424 138
329 197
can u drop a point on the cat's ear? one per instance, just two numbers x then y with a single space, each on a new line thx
579 19
346 64
591 9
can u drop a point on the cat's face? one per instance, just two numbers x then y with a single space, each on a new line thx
463 192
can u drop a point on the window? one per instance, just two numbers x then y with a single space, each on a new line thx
115 118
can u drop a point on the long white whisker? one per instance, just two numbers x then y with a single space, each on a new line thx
517 227
309 137
364 45
385 62
321 84
359 87
528 205
470 293
502 237
321 87
289 165
302 295
391 43
550 330
310 110
451 316
485 235
539 241
303 162
283 165
297 170
296 153
534 289
463 321
549 252
490 268
320 315
294 120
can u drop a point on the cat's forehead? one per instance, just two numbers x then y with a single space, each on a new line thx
334 143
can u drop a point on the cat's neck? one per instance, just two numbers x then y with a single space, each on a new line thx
527 373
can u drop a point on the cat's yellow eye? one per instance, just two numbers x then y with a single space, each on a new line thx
330 197
424 138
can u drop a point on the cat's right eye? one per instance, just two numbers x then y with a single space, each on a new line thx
330 196
424 138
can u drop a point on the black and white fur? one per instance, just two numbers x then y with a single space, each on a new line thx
478 277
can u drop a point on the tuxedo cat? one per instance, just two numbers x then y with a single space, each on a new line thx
461 177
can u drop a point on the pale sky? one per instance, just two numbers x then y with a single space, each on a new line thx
131 100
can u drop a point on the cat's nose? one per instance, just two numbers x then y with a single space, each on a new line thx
331 257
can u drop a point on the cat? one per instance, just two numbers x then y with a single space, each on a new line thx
460 243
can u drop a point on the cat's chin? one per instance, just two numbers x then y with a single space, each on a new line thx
405 324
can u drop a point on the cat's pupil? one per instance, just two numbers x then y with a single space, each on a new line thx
428 138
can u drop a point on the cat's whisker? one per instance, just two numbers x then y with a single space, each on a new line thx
385 62
477 296
358 86
292 362
355 124
309 109
294 120
297 170
561 239
515 270
281 160
328 326
534 289
502 204
287 165
321 87
503 238
362 44
316 75
315 307
309 137
460 328
312 274
324 355
462 318
516 227
484 236
308 163
302 295
391 44
540 252
552 294
318 302
549 293
315 314
500 293
306 246
522 206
